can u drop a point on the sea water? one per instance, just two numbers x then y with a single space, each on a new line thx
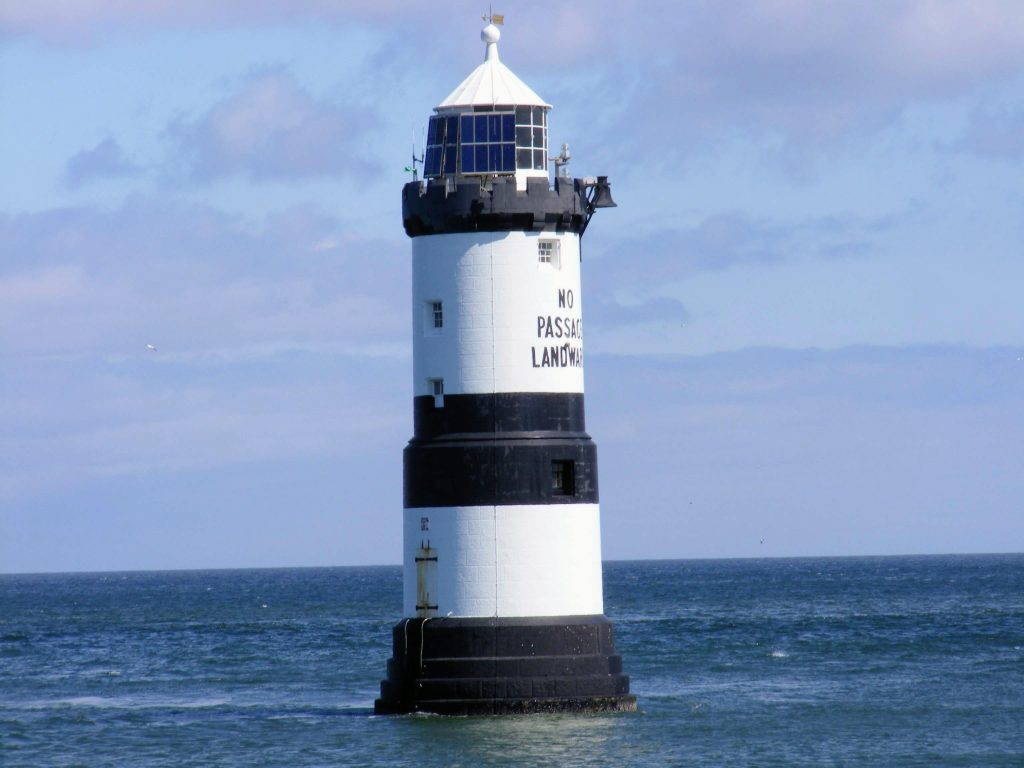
889 661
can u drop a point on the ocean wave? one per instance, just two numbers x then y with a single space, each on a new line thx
119 702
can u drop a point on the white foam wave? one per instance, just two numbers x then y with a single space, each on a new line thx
122 702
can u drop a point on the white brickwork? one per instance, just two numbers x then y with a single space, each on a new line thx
511 323
527 560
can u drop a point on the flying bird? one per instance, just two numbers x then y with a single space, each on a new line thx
151 348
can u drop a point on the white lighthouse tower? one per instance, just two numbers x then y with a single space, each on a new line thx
502 546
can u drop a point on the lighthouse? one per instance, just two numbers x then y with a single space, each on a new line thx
503 605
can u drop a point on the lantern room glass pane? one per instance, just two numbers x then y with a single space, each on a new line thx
539 163
466 128
522 115
468 160
449 160
480 127
494 128
451 129
508 127
524 158
508 157
432 163
481 158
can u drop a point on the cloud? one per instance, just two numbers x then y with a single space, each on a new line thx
797 77
152 414
657 310
724 241
273 129
104 161
899 449
994 133
269 345
86 21
194 281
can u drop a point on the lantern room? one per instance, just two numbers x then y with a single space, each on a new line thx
492 124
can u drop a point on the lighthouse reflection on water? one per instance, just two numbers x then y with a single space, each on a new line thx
503 603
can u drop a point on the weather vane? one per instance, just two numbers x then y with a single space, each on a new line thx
493 18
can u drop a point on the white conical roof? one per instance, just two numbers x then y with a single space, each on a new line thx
492 82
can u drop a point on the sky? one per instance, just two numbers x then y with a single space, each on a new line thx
805 323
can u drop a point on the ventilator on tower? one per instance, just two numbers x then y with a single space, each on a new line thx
503 603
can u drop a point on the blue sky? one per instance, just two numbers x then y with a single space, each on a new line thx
805 323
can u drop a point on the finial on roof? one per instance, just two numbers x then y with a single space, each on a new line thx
491 35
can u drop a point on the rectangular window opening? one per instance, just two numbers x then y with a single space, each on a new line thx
433 318
563 477
549 254
436 387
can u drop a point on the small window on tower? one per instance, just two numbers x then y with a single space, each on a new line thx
563 478
548 254
437 390
433 320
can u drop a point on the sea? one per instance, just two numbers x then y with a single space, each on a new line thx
873 661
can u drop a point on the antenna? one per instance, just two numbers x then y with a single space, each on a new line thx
412 168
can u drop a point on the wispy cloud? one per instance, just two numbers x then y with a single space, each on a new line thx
725 241
797 77
651 311
81 281
272 337
994 133
901 449
85 21
153 415
274 129
105 160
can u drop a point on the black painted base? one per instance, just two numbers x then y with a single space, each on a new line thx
494 666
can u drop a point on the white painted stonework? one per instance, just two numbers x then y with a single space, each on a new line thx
527 560
496 295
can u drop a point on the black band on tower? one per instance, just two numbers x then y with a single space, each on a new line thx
503 448
445 205
544 413
492 470
491 666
